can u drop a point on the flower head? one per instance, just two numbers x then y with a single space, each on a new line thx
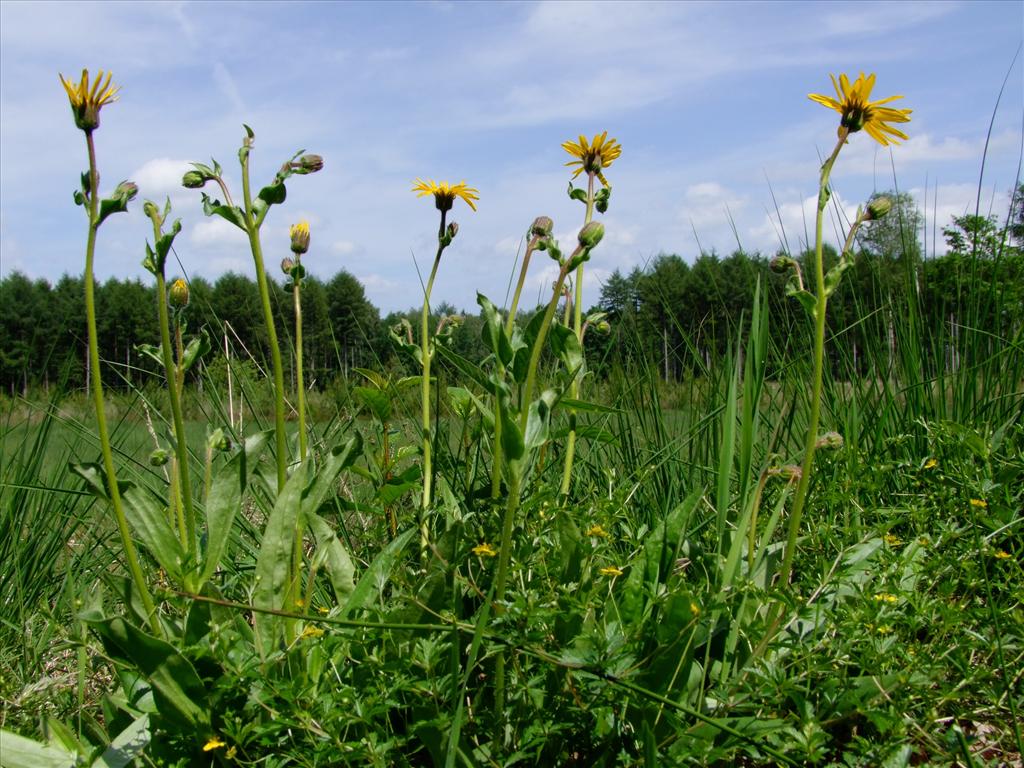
860 113
610 570
177 296
893 540
931 464
87 100
593 156
445 193
300 236
597 530
1002 554
309 632
484 550
979 503
213 743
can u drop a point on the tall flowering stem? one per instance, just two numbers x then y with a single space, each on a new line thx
85 106
426 349
171 372
253 232
577 326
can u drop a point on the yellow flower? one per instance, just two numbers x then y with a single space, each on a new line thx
597 530
858 112
885 597
213 743
883 629
445 193
86 101
230 754
893 540
593 156
299 234
610 570
323 611
930 464
979 503
1002 555
485 550
309 632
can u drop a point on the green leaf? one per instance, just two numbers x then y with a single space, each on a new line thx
565 344
95 478
511 436
324 483
128 744
151 352
224 500
179 693
196 349
340 568
805 298
150 520
835 275
585 405
18 752
273 564
493 331
538 420
376 400
231 213
273 194
472 370
376 575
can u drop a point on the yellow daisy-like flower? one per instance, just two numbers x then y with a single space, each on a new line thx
610 570
445 193
1002 554
979 503
213 743
931 464
593 156
597 530
309 632
885 597
860 113
893 540
485 550
87 100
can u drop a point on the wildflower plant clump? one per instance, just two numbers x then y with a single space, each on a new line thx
508 566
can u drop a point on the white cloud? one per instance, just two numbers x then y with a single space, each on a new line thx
343 247
217 232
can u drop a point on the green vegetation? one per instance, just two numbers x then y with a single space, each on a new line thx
608 564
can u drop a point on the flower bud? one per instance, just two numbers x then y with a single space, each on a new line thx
453 230
542 226
300 237
878 207
177 296
789 472
159 457
151 209
126 190
218 441
603 327
829 441
193 180
780 265
287 264
591 234
308 164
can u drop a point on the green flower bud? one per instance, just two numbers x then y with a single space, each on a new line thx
830 441
780 265
218 441
159 457
308 164
193 180
287 264
542 226
152 210
126 190
177 296
453 230
878 207
591 234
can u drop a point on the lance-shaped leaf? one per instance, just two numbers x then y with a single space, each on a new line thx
805 298
230 213
493 331
472 370
538 420
117 202
156 257
565 344
19 752
835 275
179 693
224 500
372 582
333 556
149 519
95 479
197 347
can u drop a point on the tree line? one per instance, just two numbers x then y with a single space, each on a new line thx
674 315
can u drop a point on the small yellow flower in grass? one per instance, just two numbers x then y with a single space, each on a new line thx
1002 554
597 530
593 156
885 597
323 611
610 570
309 632
979 503
893 540
694 608
484 550
883 629
299 234
214 743
931 464
445 193
86 101
857 112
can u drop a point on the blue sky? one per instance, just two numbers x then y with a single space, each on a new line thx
709 102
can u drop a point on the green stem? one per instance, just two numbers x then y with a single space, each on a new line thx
574 388
97 395
173 392
821 305
538 345
252 229
300 383
530 248
427 354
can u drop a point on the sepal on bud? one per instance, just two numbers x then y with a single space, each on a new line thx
591 234
124 193
878 207
541 226
178 294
